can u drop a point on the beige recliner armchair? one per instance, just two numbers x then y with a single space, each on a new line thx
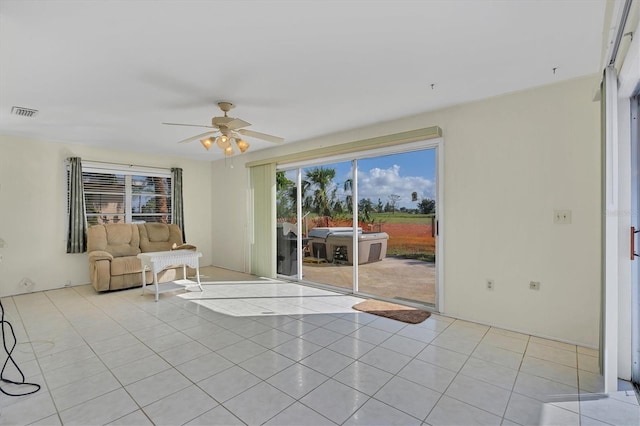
113 248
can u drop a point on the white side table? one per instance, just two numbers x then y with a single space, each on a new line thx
160 260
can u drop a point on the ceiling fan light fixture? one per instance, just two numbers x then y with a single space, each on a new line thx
207 143
229 129
242 145
223 141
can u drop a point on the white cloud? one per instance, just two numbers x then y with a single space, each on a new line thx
381 183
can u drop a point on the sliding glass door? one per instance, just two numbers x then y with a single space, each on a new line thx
635 269
324 209
327 220
397 212
366 225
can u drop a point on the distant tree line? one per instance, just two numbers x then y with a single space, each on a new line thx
319 196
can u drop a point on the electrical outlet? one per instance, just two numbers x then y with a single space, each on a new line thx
27 284
2 243
562 217
534 285
67 283
490 284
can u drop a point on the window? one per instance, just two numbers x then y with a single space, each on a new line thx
126 194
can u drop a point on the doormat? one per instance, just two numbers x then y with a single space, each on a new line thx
393 311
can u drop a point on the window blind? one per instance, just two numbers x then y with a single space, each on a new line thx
126 194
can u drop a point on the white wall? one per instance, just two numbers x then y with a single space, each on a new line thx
230 227
510 161
33 209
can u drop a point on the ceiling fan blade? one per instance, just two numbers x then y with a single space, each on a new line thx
258 135
237 123
200 136
189 125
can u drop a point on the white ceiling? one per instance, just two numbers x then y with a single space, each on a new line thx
108 73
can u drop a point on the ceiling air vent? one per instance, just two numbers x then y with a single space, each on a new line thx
23 112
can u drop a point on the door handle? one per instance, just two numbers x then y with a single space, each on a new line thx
632 236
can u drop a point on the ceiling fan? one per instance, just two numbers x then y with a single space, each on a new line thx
230 130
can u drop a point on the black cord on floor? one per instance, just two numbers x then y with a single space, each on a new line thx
4 323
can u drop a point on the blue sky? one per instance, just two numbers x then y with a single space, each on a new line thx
400 174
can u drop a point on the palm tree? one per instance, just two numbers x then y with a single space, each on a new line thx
286 196
365 208
282 182
319 179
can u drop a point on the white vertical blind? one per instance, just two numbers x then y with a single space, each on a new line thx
263 230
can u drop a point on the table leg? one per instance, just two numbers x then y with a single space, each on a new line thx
155 282
198 277
144 278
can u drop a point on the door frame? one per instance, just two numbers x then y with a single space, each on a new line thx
635 208
438 145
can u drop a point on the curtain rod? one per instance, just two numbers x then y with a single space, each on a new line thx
109 163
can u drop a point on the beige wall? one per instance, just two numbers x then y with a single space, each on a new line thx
510 161
231 229
33 210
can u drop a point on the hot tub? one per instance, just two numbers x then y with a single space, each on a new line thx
335 244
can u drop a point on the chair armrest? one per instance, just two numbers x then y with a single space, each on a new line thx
183 247
99 255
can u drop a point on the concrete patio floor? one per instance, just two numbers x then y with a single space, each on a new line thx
391 278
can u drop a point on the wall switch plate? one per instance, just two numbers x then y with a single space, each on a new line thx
562 217
534 285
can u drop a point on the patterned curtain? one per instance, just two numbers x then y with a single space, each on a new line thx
177 208
77 229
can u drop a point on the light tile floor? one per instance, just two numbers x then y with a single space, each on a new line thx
250 351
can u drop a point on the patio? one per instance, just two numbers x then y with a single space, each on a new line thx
390 278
